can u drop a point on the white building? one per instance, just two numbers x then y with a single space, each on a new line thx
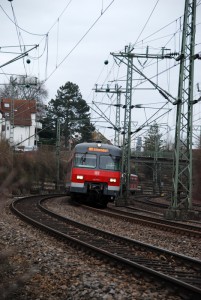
18 122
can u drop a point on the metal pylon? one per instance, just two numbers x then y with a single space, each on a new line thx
58 153
12 109
182 177
117 119
126 153
116 90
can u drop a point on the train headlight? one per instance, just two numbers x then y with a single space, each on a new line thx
80 177
113 180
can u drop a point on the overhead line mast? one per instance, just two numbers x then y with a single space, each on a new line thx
182 177
126 153
182 168
127 124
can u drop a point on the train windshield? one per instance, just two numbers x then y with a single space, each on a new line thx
85 160
110 162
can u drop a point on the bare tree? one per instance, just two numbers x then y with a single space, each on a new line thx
26 88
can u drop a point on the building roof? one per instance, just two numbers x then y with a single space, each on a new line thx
97 136
22 111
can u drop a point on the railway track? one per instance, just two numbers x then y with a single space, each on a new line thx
148 201
177 270
158 222
128 214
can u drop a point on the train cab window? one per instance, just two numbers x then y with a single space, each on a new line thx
85 160
110 162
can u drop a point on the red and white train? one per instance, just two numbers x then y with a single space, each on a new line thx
94 172
134 184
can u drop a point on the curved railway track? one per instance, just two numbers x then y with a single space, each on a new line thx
156 222
177 270
128 214
149 201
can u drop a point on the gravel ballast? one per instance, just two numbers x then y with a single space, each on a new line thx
36 266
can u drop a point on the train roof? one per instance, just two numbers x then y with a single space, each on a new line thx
98 145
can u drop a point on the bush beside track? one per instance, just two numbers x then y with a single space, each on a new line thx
30 172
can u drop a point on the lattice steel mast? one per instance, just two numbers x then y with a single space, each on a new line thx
126 151
182 177
127 58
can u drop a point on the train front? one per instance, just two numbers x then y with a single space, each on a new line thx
96 172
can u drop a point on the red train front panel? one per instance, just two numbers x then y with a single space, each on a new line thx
84 180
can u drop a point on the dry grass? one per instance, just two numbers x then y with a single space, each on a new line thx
20 171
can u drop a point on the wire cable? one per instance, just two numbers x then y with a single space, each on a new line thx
37 34
146 22
94 23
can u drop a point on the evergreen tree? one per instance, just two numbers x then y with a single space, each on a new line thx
152 141
73 114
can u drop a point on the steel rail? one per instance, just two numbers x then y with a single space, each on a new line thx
158 262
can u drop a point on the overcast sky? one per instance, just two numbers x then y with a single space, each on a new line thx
75 37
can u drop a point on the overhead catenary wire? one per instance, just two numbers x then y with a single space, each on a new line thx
146 66
147 123
146 22
32 33
80 40
47 61
160 91
45 35
103 115
18 35
166 68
